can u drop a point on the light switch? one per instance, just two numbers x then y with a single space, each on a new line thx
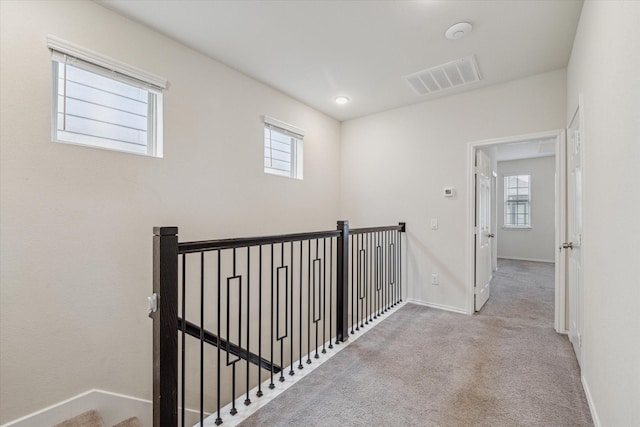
434 223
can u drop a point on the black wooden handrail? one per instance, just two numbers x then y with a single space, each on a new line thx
368 281
400 227
243 242
212 339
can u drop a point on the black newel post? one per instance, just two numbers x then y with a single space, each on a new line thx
165 319
342 283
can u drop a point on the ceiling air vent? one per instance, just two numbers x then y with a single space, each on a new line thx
446 76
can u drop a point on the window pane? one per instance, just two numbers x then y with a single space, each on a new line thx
102 111
280 152
516 200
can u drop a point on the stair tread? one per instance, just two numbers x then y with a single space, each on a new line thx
86 419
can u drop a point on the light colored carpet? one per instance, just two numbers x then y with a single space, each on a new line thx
505 366
93 419
86 419
130 422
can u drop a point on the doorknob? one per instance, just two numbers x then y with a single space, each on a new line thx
491 235
567 245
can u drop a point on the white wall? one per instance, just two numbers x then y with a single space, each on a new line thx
605 69
76 223
538 242
395 165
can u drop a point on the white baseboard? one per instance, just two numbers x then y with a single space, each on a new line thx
113 408
527 259
438 306
592 407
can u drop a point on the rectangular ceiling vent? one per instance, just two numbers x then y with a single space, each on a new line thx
456 73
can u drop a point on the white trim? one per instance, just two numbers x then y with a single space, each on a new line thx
59 45
560 221
471 150
550 261
438 306
112 407
592 406
282 125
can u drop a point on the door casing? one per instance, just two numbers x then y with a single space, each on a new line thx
560 216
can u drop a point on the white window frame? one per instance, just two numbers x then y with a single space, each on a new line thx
70 54
506 224
296 150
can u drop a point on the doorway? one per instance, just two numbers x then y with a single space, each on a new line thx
538 144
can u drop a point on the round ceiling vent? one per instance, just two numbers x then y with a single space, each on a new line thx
458 31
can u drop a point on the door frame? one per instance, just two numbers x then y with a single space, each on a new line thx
578 113
560 216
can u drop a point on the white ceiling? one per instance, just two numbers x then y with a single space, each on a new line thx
526 149
317 50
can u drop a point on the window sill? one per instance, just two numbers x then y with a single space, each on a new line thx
517 228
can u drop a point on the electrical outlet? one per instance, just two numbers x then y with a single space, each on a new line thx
434 223
434 279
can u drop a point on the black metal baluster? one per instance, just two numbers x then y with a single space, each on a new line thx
184 316
300 366
400 261
259 393
291 371
233 364
386 271
324 295
368 276
353 294
331 294
394 276
383 267
247 400
376 284
316 294
380 255
361 278
286 304
271 384
219 418
308 301
201 337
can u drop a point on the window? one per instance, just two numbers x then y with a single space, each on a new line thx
282 149
517 201
102 103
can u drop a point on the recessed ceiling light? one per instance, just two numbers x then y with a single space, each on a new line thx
341 100
458 31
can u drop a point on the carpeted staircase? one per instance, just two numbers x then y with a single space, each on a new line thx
93 419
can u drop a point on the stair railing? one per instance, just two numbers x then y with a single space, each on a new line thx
277 301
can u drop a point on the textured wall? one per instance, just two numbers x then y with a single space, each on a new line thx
604 69
538 242
395 165
76 222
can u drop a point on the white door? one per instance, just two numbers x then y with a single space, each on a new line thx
494 221
571 246
483 229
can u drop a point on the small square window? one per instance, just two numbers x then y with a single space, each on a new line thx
282 149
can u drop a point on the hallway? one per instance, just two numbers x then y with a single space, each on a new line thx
428 367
